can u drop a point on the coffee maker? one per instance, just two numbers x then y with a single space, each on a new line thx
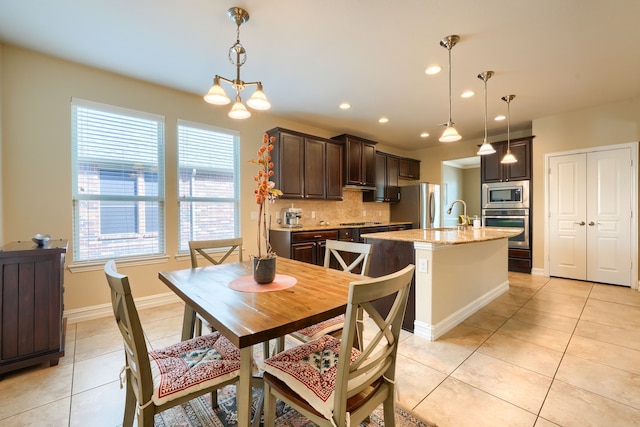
291 217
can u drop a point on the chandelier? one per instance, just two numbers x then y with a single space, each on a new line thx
486 147
450 134
237 57
508 158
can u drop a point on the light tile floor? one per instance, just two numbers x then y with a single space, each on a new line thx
548 352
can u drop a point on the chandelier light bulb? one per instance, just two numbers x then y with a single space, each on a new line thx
239 111
258 100
216 94
450 134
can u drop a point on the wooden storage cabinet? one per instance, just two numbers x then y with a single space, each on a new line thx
387 188
359 161
493 171
31 304
309 246
306 166
409 168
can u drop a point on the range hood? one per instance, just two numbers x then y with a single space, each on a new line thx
358 188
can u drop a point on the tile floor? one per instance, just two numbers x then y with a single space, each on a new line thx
548 352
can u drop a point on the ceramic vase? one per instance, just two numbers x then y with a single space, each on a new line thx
264 270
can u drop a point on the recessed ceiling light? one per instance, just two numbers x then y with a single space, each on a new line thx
467 94
383 120
499 118
433 69
424 135
345 106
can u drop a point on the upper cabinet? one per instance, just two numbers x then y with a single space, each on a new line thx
491 170
359 160
409 168
387 188
306 166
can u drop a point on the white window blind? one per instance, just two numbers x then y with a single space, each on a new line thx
208 182
118 182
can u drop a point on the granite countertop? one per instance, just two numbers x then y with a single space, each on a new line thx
316 227
447 235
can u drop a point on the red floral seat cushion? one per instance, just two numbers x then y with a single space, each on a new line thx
192 365
310 370
314 332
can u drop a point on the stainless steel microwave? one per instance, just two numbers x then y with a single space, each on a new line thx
511 194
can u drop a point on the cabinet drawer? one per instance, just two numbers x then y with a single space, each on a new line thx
519 253
305 236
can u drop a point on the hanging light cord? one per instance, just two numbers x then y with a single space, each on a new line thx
485 110
508 125
449 49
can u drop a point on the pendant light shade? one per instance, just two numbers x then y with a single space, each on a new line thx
486 147
508 157
239 111
450 134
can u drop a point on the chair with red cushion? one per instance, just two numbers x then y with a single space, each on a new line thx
161 379
333 383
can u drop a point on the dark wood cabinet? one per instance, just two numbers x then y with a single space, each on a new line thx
306 166
409 168
359 161
309 246
492 170
31 304
334 176
387 188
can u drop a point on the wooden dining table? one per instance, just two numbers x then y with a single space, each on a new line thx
247 318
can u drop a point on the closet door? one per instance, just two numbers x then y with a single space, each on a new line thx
609 216
590 216
567 207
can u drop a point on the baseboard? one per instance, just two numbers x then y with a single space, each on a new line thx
104 310
433 332
537 272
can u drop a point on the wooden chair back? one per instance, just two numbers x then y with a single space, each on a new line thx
138 372
337 248
200 247
376 363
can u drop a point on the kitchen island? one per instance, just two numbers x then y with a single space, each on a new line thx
457 272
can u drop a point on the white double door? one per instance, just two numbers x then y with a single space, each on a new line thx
590 214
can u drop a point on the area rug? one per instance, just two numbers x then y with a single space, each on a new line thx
198 413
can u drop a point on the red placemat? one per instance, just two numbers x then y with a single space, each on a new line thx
247 284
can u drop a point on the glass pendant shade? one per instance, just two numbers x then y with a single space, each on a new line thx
258 101
509 158
239 111
485 149
450 134
217 95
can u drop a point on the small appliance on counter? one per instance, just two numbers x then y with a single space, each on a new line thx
291 217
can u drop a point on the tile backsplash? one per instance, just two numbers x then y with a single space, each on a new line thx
350 209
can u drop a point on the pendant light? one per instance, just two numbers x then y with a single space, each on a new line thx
508 158
450 134
486 147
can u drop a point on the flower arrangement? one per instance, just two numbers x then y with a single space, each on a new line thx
265 193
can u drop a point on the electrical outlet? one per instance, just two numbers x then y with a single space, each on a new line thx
422 265
254 215
313 214
364 213
379 213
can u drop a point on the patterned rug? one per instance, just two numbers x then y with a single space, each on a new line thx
198 413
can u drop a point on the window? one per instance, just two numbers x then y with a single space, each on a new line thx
118 182
208 184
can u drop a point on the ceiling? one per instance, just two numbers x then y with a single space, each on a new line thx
554 55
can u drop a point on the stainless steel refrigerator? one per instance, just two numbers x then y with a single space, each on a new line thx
420 204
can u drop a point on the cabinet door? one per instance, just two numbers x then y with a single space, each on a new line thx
314 169
392 190
353 163
490 166
381 176
368 164
333 171
305 252
522 168
290 165
409 169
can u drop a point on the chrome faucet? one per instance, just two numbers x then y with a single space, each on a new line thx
462 226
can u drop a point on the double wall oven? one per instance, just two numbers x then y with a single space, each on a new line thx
506 204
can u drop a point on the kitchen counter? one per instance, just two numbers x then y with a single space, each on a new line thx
318 227
457 271
446 236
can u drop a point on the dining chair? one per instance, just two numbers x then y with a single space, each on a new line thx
160 379
331 382
339 250
203 248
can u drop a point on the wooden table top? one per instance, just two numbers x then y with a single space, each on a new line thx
247 318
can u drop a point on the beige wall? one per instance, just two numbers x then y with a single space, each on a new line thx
609 124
